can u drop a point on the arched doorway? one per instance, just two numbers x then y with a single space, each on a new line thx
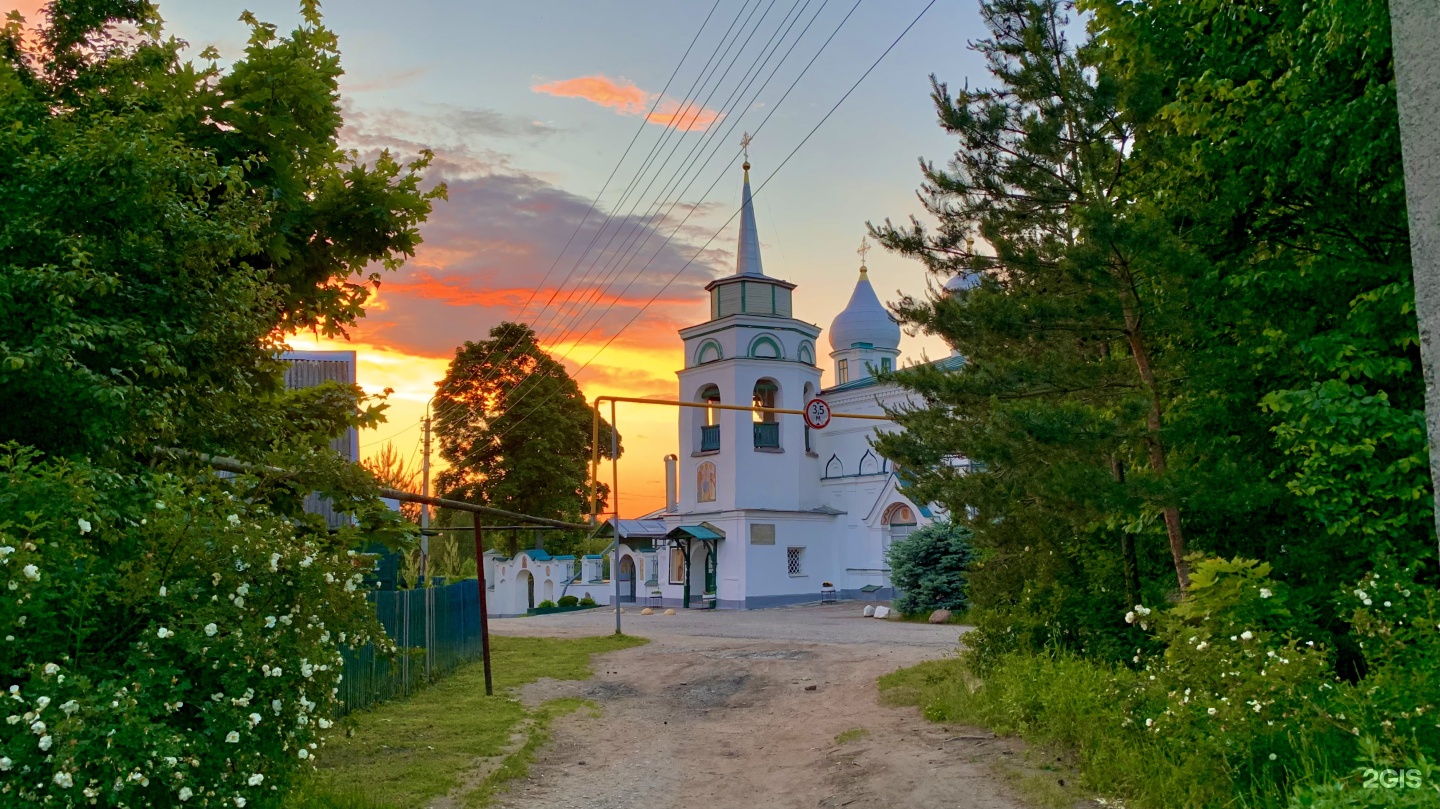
527 584
627 577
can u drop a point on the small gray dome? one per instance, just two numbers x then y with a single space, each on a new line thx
864 320
962 282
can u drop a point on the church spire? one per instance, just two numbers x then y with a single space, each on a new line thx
747 260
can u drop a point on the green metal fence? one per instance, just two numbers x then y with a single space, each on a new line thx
437 629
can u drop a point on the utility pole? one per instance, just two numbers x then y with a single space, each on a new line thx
1414 30
425 491
425 547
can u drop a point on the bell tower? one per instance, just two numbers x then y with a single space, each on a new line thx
751 351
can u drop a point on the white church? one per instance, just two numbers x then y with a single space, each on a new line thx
761 511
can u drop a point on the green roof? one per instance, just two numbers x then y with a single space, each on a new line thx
694 532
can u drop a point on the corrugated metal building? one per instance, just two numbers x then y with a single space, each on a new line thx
306 369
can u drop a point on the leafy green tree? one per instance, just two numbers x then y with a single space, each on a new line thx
1270 141
929 568
163 226
515 429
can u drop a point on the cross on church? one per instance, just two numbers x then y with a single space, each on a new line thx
864 248
745 145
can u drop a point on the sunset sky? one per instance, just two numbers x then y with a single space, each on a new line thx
529 106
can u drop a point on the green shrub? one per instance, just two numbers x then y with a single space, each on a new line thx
587 601
929 568
568 601
545 605
1228 702
175 641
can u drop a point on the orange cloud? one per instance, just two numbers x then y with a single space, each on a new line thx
625 98
692 118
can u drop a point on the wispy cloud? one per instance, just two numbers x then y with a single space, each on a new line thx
688 117
620 96
628 99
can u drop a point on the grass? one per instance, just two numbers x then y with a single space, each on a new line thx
403 753
1061 702
851 735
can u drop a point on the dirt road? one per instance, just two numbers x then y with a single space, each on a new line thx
743 710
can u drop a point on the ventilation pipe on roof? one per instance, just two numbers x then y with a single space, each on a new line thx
672 500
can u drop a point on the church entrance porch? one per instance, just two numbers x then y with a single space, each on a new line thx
697 549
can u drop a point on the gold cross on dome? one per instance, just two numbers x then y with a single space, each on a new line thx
864 248
745 145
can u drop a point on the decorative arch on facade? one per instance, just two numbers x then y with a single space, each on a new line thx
834 468
709 351
898 514
806 353
869 464
766 347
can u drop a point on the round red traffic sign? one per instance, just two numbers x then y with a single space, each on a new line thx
817 414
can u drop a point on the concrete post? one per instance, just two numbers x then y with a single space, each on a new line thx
1415 30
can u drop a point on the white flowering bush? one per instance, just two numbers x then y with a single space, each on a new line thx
1236 684
164 643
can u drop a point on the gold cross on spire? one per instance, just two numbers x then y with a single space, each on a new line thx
745 145
864 248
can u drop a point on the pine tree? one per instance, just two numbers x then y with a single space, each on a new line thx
1063 397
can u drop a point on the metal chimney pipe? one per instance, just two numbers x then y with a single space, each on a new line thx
672 498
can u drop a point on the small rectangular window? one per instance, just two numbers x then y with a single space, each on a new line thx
885 365
842 371
795 561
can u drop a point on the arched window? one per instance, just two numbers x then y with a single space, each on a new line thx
710 394
709 352
807 353
709 419
767 429
809 394
766 347
764 396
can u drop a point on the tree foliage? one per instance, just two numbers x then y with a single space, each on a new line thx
1209 190
173 636
163 226
929 568
515 429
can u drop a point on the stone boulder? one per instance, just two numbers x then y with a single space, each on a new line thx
939 616
669 612
882 612
869 611
647 611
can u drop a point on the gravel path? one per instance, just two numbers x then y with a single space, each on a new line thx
742 709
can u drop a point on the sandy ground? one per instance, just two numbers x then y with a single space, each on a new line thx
727 710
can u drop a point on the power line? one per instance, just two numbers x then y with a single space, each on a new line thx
638 131
667 130
774 108
632 245
709 158
754 193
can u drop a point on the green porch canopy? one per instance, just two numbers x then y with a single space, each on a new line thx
705 532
